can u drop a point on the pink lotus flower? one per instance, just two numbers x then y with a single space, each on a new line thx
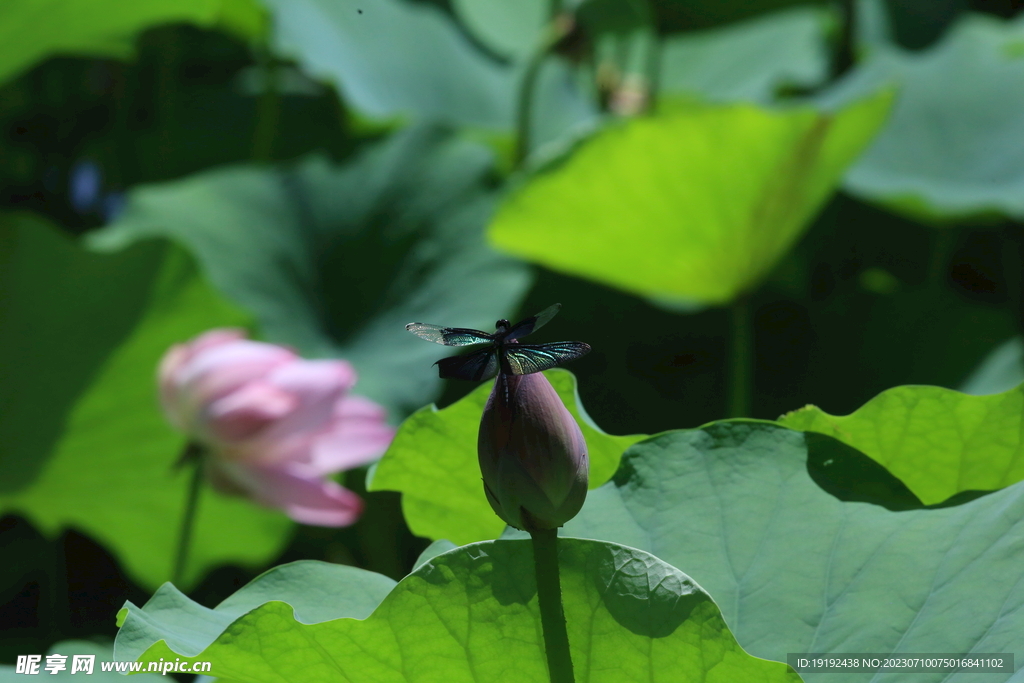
273 425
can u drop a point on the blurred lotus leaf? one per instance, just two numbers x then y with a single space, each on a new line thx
335 260
748 61
951 147
31 30
85 442
696 203
394 59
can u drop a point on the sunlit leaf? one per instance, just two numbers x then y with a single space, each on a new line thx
795 569
433 463
696 203
950 149
85 443
467 615
335 260
31 30
939 442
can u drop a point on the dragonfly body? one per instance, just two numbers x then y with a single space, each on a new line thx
505 353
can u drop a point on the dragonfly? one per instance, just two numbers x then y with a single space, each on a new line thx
504 352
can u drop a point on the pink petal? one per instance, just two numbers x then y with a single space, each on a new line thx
173 362
352 407
219 370
359 435
181 353
317 386
309 500
315 376
244 413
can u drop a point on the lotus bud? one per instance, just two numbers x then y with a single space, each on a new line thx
532 454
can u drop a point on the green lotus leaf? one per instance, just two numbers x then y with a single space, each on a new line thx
748 61
1001 370
680 15
938 441
433 463
395 58
310 588
512 30
336 260
31 30
802 557
696 203
950 149
466 615
85 442
400 60
516 31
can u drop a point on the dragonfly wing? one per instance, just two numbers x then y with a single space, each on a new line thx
474 367
533 323
524 359
449 336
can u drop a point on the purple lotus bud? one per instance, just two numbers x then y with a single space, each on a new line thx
532 454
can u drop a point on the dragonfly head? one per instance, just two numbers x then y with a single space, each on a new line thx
502 326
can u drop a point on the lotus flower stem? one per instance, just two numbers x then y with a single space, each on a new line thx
845 55
193 455
549 595
740 359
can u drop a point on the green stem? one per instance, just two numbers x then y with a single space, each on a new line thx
192 454
524 104
549 595
845 52
741 359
